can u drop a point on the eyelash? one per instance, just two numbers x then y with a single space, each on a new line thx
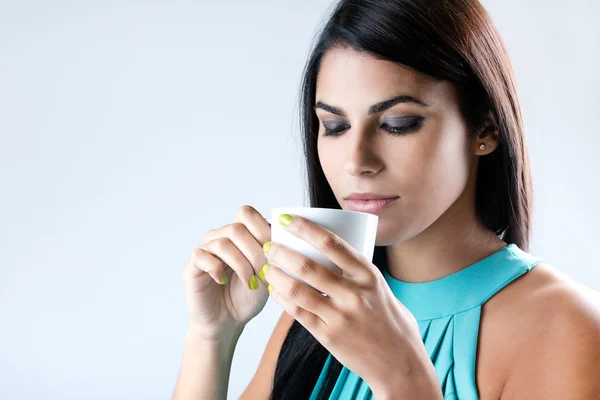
394 130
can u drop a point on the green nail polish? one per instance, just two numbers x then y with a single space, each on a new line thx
253 282
263 271
224 279
285 219
266 247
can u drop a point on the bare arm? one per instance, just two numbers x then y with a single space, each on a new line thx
205 368
261 385
562 358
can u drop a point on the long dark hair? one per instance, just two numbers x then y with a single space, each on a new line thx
452 40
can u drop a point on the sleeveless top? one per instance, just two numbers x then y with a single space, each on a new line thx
447 311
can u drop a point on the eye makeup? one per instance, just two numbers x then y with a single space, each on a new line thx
392 125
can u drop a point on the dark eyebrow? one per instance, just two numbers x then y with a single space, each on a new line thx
375 108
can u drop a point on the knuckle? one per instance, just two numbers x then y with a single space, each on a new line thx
331 241
376 281
208 235
365 300
237 229
295 290
358 257
361 298
343 322
246 210
354 300
193 263
189 272
370 281
307 267
221 243
297 310
196 253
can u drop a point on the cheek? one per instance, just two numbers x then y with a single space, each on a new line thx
441 166
330 161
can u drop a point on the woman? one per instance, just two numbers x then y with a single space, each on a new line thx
414 100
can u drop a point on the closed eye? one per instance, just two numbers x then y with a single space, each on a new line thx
394 129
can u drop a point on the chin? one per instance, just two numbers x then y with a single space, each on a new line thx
394 233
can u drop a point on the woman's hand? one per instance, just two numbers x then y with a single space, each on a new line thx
222 290
360 321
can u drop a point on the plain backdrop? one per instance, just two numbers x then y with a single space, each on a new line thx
130 128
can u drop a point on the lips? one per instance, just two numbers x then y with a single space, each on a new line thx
370 196
370 206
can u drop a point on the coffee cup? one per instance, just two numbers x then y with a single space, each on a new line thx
358 229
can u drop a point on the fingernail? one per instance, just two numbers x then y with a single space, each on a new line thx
285 219
270 288
263 271
253 282
224 279
266 247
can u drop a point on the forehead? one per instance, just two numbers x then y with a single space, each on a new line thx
352 79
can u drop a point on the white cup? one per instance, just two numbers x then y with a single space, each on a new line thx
358 229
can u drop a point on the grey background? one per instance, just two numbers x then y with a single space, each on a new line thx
130 128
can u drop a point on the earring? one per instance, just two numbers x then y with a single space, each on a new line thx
482 146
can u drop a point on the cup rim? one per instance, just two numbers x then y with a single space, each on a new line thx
328 209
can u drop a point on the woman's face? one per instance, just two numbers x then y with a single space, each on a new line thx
429 166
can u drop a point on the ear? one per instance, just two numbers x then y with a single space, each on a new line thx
486 140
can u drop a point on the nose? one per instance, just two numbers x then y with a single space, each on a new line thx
361 155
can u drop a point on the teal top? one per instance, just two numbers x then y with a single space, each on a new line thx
447 311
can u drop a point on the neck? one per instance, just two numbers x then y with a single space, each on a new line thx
454 241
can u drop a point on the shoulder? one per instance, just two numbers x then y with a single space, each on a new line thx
544 297
562 307
556 302
555 323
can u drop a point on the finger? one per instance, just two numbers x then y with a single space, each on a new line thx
312 322
352 262
230 254
300 294
305 268
202 262
254 222
241 237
